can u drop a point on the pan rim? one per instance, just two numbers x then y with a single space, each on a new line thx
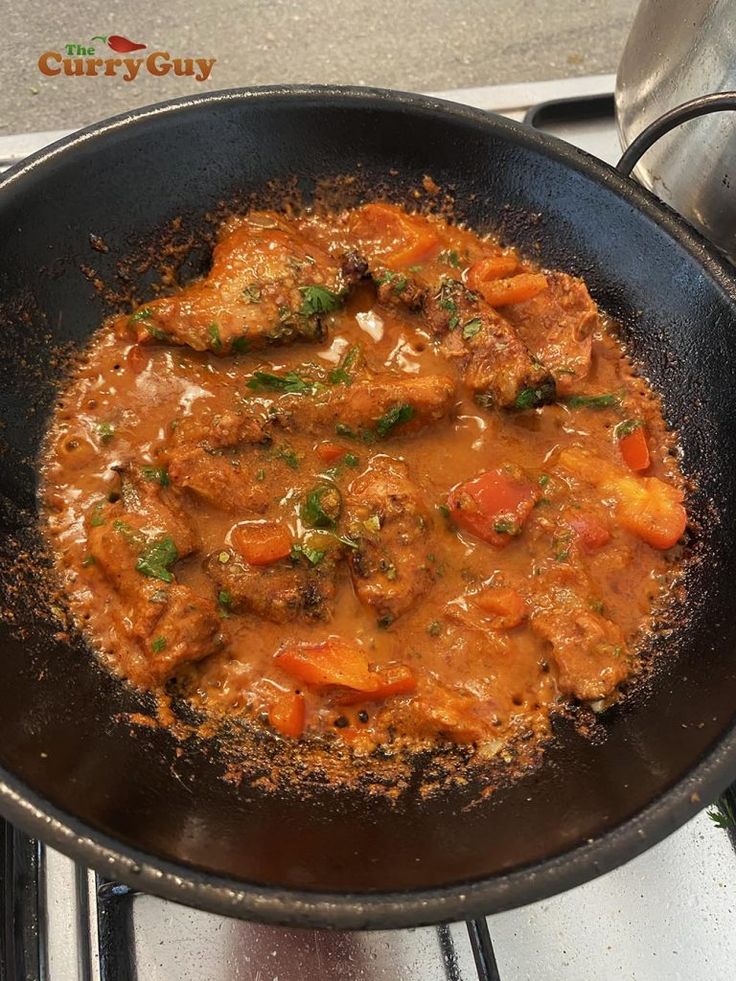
381 910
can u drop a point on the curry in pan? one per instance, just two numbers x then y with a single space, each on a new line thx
374 476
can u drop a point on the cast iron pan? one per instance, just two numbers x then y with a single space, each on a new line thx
124 802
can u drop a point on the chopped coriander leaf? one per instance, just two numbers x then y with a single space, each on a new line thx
87 561
156 560
531 398
471 328
350 460
158 645
627 427
506 526
97 518
145 313
321 507
289 457
397 281
252 293
213 332
105 431
318 300
395 416
606 401
543 480
562 555
291 383
225 599
434 629
312 555
391 573
444 510
450 257
338 376
156 332
342 430
240 345
156 475
349 364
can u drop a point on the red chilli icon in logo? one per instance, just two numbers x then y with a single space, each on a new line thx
119 43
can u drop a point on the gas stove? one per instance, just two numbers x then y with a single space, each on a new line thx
666 915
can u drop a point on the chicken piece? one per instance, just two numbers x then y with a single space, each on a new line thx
211 456
557 326
169 623
185 627
281 591
219 430
449 713
493 361
152 509
389 521
588 650
268 284
360 402
390 404
379 406
227 482
491 358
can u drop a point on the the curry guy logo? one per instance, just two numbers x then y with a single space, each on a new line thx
93 61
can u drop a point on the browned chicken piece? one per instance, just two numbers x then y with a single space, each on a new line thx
153 509
170 624
492 359
494 363
268 284
386 404
557 325
447 712
588 650
225 481
217 430
281 592
372 405
389 521
214 456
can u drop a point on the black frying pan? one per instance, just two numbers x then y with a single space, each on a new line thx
122 801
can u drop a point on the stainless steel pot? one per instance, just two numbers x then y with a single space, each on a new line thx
678 51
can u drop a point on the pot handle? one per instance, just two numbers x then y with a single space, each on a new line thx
702 106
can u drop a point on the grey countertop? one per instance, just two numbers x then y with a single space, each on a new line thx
426 45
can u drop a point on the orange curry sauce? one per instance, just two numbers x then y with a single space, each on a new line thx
375 476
